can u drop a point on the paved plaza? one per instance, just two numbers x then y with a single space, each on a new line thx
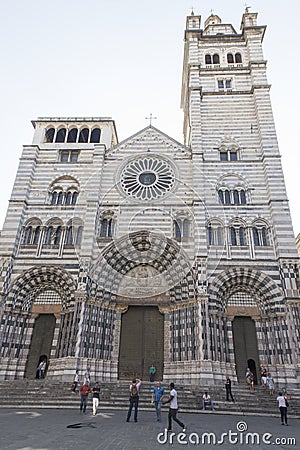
50 429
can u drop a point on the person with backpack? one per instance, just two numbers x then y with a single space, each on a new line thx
134 398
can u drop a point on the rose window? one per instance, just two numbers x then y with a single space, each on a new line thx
147 178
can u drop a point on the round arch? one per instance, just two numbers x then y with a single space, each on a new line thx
248 279
140 248
26 287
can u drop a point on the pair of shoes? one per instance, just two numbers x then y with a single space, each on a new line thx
135 420
287 424
94 414
127 420
282 423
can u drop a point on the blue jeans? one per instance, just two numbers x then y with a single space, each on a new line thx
204 403
158 410
83 402
133 401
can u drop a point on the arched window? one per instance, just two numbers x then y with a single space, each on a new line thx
74 198
260 236
60 198
216 59
255 236
227 197
53 198
27 235
264 236
49 135
72 135
215 234
185 228
242 236
230 59
48 235
177 230
207 59
236 197
233 197
57 235
69 198
103 228
221 196
233 236
237 235
110 227
181 228
228 154
36 235
95 135
61 135
69 237
238 58
106 227
84 135
79 235
243 197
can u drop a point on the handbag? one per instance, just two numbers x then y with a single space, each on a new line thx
287 403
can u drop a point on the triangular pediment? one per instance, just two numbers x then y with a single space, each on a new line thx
150 139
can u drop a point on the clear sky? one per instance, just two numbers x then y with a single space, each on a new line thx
123 59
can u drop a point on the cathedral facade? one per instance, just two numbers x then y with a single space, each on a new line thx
120 255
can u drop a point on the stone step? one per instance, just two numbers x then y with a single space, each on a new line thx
53 394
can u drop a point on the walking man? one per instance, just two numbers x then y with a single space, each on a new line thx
134 398
173 409
157 394
84 393
96 397
228 389
282 404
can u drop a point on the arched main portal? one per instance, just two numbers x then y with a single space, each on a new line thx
141 342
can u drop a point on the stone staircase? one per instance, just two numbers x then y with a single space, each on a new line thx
55 394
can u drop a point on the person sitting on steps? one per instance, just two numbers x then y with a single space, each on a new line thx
207 401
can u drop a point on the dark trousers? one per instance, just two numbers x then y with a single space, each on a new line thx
229 393
134 401
172 415
83 402
283 412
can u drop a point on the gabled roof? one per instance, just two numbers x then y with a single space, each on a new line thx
146 132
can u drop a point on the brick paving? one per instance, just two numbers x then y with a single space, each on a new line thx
45 429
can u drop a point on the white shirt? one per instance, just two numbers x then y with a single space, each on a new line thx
173 402
281 401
